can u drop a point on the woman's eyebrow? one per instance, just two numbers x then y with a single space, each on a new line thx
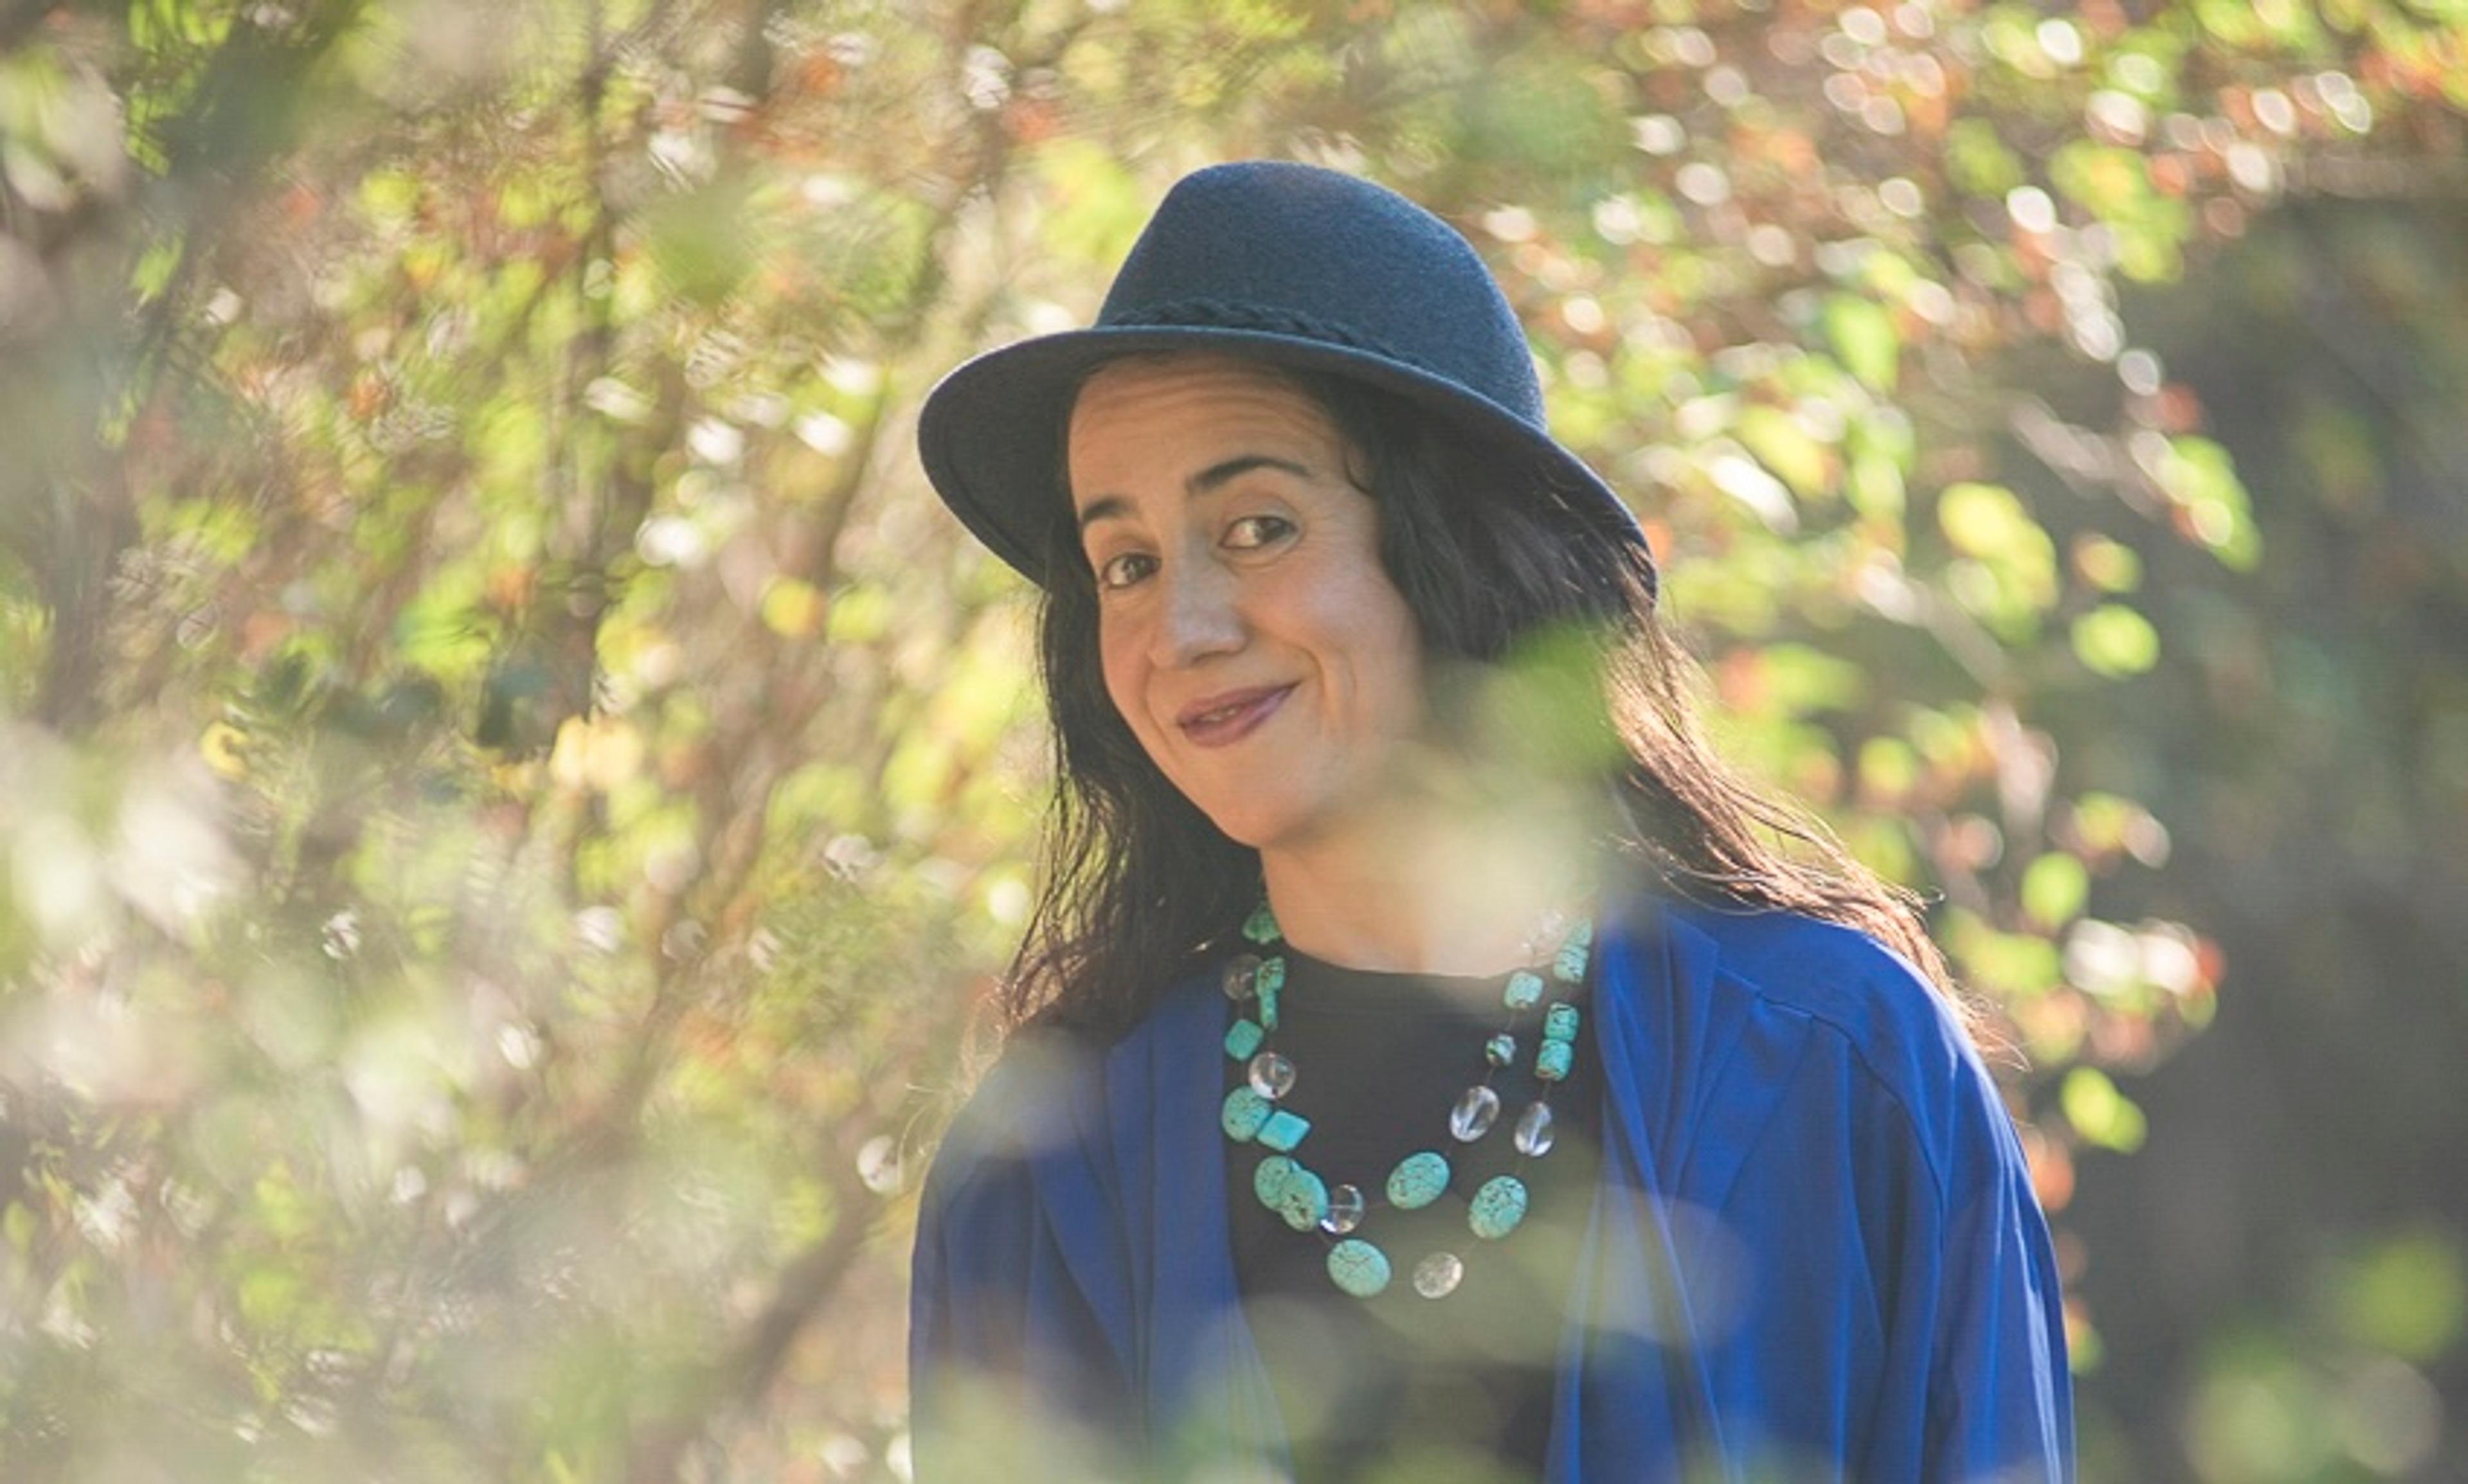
1114 507
1235 468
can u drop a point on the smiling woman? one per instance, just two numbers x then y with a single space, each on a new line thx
1249 635
1427 1060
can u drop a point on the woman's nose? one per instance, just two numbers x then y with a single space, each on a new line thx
1202 615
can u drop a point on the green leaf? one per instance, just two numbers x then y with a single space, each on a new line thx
2110 567
2054 889
702 241
1889 767
1876 488
2408 1297
1781 444
1978 160
2114 641
1985 520
1095 205
1862 335
2012 966
1799 680
155 266
1990 525
2100 1112
2201 479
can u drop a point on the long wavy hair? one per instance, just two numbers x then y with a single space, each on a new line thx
1136 886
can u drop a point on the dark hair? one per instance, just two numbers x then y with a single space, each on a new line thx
1137 885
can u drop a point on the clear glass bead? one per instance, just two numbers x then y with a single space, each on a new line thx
1470 1119
1239 974
1438 1275
1345 1206
1534 1136
1273 1076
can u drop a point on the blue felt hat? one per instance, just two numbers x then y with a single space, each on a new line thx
1290 264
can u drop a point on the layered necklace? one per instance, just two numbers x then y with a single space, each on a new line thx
1255 1113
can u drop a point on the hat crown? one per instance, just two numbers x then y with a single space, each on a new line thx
1294 250
1300 268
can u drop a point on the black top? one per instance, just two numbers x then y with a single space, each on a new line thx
1403 1386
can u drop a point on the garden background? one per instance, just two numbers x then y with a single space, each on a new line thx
510 786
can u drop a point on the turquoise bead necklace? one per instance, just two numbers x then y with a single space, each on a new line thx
1255 1114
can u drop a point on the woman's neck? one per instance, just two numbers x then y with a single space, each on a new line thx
1430 894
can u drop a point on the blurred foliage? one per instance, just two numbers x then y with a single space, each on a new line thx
509 785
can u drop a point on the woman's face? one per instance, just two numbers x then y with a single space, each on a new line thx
1249 636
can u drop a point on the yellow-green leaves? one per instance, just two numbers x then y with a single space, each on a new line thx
2407 1297
2054 888
2200 482
1784 445
1096 205
1861 333
2007 567
2100 1112
2114 641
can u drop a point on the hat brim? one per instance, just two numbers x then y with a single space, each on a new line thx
992 432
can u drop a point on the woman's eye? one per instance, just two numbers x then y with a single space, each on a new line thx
1125 569
1257 530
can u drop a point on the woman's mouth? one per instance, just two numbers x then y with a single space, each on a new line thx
1225 719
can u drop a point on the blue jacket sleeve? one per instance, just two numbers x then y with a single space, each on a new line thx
1978 1319
1879 1302
1012 1376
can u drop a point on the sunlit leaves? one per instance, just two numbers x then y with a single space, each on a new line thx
2211 501
2115 641
2100 1112
600 774
2407 1297
1862 334
2054 888
2007 573
1094 205
2009 965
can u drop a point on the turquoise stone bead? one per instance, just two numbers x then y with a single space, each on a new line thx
1261 926
1284 1130
1559 1022
1569 966
1358 1268
1525 990
1551 1063
1242 1038
1245 1112
1417 1180
1498 1207
1271 982
1269 1182
1304 1201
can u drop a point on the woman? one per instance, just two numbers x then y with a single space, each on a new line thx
1418 1074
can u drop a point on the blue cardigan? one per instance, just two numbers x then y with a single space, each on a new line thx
1814 1252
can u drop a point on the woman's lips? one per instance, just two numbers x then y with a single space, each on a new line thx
1222 719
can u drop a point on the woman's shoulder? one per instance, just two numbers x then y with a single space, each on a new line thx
1903 1033
1826 970
1050 1087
